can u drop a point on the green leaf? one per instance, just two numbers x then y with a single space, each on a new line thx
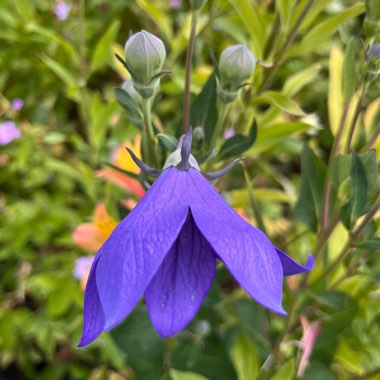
72 89
253 22
300 79
369 244
313 175
203 111
324 30
127 102
180 375
356 206
245 358
287 371
100 114
238 144
349 74
70 52
280 101
284 8
103 51
168 141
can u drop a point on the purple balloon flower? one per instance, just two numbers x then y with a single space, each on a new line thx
167 248
8 132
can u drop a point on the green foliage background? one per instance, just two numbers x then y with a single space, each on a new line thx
304 98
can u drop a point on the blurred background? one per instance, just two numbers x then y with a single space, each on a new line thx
61 127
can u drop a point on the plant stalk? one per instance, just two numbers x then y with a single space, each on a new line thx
147 112
222 116
254 204
189 61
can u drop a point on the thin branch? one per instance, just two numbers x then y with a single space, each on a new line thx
189 61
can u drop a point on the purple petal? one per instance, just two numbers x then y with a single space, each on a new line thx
93 312
138 245
290 267
178 288
244 249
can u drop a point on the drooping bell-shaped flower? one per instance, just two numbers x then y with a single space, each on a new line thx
167 248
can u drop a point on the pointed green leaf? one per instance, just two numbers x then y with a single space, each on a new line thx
369 244
72 88
127 102
287 371
168 141
245 358
280 101
238 144
313 173
180 375
356 206
253 22
322 31
103 50
203 110
349 74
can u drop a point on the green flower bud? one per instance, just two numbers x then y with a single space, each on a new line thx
235 67
196 4
145 55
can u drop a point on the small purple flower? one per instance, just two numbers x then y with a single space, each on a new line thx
82 266
62 10
176 4
17 104
167 249
8 132
228 133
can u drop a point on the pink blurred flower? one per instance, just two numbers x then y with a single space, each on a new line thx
62 10
8 132
310 334
17 104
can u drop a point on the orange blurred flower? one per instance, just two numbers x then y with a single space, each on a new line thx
122 159
91 236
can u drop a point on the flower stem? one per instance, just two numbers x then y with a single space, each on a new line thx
222 116
189 61
254 204
348 246
284 48
146 105
328 186
354 120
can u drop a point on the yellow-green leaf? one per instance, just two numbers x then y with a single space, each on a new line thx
324 30
335 98
103 51
180 375
245 358
280 101
253 23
